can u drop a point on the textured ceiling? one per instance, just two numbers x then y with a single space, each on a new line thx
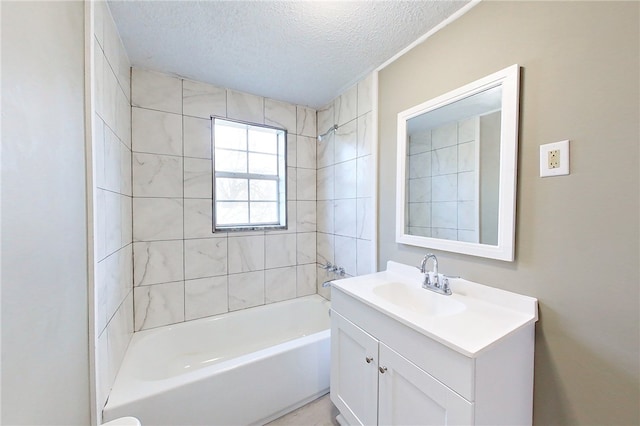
303 52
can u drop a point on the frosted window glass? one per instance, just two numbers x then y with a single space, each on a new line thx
263 141
232 213
230 161
263 164
231 136
264 212
263 190
231 189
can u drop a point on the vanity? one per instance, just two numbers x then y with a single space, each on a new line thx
401 354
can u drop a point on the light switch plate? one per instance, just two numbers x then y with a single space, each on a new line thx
554 159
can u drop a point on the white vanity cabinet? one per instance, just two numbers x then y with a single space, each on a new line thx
387 369
373 384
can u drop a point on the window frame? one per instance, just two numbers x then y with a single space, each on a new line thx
280 178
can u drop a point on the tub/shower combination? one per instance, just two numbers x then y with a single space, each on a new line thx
244 367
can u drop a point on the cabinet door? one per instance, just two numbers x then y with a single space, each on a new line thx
410 396
354 372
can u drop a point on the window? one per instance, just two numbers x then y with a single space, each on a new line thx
249 176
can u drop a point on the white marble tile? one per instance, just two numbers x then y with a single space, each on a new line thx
204 297
292 184
157 175
306 122
112 161
365 94
98 78
306 184
345 214
123 118
420 165
113 222
120 332
306 248
126 220
280 284
246 254
419 215
325 183
322 275
467 236
197 178
203 100
325 248
444 136
198 219
292 150
158 305
104 381
444 233
101 288
420 142
325 216
444 188
305 279
119 278
444 215
346 106
206 257
154 90
345 180
419 231
325 151
345 254
110 91
156 262
246 290
98 152
444 161
280 250
326 118
197 137
101 223
365 134
156 132
126 172
467 129
364 218
157 219
346 142
364 176
419 190
467 215
280 114
245 107
306 216
467 157
306 152
364 257
466 186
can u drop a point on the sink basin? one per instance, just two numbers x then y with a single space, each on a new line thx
418 300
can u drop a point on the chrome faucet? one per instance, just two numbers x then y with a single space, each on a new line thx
432 280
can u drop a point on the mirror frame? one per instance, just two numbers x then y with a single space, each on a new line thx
509 79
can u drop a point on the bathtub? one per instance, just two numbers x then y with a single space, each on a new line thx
244 367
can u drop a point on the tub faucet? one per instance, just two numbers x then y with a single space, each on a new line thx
432 280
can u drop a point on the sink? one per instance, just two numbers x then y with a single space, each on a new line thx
418 300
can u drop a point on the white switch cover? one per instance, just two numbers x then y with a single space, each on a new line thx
554 159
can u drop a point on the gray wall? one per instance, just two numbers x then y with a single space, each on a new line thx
45 361
577 236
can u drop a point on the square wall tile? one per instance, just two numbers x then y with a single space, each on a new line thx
419 215
345 214
156 132
365 134
156 262
420 142
280 250
444 161
444 215
306 216
326 118
306 280
346 106
325 151
345 253
246 290
364 218
197 137
157 175
204 297
306 248
325 216
325 183
198 177
156 91
364 176
246 254
306 152
345 180
292 150
280 114
420 165
306 122
444 136
280 284
364 257
346 142
205 257
467 157
444 187
325 248
198 219
419 190
245 107
157 219
203 100
158 305
306 184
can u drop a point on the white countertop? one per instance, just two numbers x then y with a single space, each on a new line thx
489 314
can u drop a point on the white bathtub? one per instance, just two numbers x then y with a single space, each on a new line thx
245 367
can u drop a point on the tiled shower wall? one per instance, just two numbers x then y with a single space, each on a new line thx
111 144
182 270
345 185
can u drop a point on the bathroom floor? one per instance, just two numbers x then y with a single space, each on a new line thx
320 412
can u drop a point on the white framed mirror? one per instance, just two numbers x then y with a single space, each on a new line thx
457 161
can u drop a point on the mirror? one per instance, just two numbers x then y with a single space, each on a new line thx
457 158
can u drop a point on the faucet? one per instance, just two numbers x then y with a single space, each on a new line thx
432 280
